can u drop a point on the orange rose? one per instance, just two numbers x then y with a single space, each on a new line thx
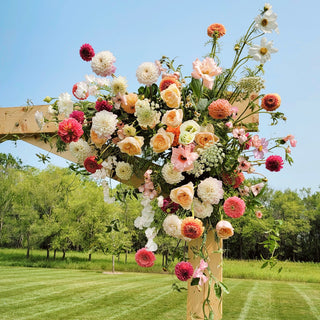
131 145
173 118
176 132
183 195
99 142
167 81
205 138
161 141
171 96
130 105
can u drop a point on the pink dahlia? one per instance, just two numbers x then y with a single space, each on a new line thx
78 115
234 207
145 258
183 158
91 164
183 270
70 130
274 163
86 52
103 105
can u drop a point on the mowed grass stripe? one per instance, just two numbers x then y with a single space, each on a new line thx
248 304
110 301
307 299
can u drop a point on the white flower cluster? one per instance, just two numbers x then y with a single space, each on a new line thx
151 233
146 115
147 215
211 156
251 84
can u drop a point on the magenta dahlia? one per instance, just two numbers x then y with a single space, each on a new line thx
70 130
103 105
145 258
183 270
78 115
169 206
274 163
86 52
234 207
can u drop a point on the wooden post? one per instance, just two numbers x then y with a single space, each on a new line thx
195 297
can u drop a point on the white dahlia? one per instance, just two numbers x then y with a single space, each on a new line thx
202 209
102 64
171 175
104 123
119 85
124 170
80 150
65 104
147 73
210 190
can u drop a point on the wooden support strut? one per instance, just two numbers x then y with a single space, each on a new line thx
19 123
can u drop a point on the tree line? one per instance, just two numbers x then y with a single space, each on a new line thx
58 210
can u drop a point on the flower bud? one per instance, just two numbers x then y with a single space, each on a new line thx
47 99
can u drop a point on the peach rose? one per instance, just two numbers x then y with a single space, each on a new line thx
99 142
224 229
161 141
171 96
130 103
205 138
131 145
173 118
183 195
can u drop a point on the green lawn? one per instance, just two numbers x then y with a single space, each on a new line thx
34 293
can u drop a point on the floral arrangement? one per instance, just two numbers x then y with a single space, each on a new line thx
194 148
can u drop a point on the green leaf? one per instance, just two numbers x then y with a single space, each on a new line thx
224 287
211 315
265 265
217 290
195 281
195 85
109 229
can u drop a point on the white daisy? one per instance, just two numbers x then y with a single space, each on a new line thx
267 22
263 52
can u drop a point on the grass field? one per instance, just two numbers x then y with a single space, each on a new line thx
34 293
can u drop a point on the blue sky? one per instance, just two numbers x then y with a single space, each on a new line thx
41 40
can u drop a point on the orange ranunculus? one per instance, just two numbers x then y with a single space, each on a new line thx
131 100
205 138
271 102
167 81
99 142
183 195
176 132
131 145
192 228
161 141
173 118
171 96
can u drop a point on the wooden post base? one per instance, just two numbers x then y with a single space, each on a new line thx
195 297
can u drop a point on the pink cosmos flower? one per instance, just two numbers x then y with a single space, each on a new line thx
290 137
255 141
244 164
183 270
183 158
234 207
205 70
257 188
261 149
234 111
240 134
245 191
198 273
229 124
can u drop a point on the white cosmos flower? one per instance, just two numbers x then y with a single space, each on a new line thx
267 22
263 52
